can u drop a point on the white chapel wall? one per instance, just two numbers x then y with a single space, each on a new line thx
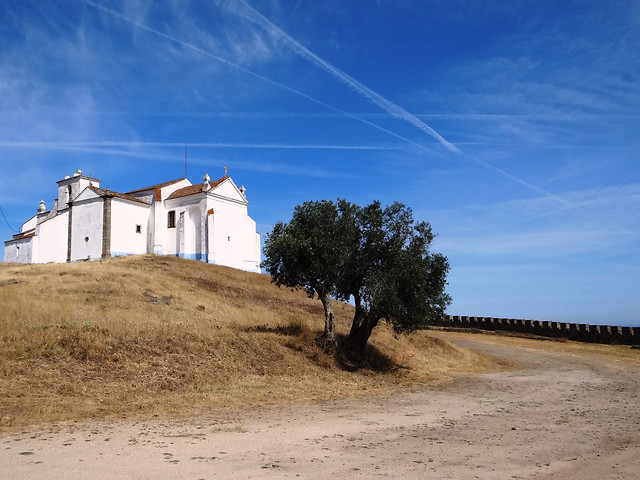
252 254
52 243
225 237
188 223
69 188
232 236
146 196
160 234
29 224
168 235
166 239
169 189
151 229
20 251
125 218
193 248
86 229
226 189
223 233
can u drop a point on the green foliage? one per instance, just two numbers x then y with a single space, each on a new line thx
302 254
378 257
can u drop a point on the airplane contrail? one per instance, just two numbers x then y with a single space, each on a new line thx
249 72
254 16
388 106
395 110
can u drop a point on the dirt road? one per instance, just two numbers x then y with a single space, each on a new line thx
560 415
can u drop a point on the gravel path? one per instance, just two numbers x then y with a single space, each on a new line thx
558 416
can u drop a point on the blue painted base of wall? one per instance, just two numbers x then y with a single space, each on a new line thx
203 257
193 256
120 254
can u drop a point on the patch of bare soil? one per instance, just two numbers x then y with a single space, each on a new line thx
559 415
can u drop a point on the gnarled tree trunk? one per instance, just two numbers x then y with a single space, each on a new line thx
360 332
329 320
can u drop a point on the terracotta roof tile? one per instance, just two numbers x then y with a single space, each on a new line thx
160 185
194 189
26 234
102 192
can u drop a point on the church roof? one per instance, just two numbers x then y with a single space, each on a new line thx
103 193
25 234
160 185
194 189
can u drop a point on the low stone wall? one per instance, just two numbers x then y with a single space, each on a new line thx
573 331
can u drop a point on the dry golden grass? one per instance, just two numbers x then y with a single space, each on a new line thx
156 335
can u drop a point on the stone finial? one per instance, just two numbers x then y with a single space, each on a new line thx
205 185
243 191
78 173
42 208
226 171
67 176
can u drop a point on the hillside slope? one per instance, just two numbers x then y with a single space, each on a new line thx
154 335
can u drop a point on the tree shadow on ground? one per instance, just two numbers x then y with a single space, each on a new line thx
286 330
373 359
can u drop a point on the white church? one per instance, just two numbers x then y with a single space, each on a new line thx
207 222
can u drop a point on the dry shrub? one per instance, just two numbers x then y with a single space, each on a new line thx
154 335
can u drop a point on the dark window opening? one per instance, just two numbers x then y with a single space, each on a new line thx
138 228
171 219
86 239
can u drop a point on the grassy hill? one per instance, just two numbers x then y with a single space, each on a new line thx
157 335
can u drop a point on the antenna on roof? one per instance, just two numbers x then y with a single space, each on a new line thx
185 160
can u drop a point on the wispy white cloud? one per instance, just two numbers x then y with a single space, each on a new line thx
557 242
599 220
229 63
151 153
107 145
84 109
445 117
546 291
286 168
559 79
44 65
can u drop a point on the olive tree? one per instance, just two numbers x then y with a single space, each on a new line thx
304 254
378 258
390 273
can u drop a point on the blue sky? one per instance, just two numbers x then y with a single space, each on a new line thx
512 127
